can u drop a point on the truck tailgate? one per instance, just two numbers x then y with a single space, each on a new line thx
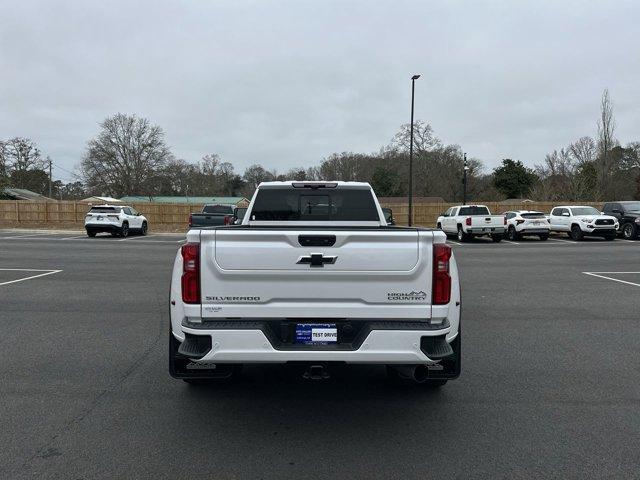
487 221
281 273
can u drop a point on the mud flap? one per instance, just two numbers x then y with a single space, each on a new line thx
181 366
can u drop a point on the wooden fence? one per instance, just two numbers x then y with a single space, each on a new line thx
164 217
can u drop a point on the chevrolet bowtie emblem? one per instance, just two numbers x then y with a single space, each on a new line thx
316 260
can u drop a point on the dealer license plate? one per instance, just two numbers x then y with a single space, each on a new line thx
316 333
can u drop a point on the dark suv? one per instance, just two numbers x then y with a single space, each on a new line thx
628 214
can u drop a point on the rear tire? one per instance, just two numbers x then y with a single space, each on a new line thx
462 237
512 234
91 233
576 233
544 237
124 230
144 229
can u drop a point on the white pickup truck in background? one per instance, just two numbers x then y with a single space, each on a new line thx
315 276
468 221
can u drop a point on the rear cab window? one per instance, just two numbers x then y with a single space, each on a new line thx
286 204
474 211
220 209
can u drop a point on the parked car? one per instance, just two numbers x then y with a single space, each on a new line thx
580 221
468 221
628 216
212 215
238 215
116 219
315 276
526 223
388 216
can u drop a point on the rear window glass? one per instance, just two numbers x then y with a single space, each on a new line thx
105 209
288 204
533 215
631 206
217 209
474 211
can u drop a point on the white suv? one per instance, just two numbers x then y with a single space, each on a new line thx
526 222
581 221
115 219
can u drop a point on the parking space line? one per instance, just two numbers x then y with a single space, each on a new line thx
27 236
454 242
562 240
595 274
137 238
510 241
46 272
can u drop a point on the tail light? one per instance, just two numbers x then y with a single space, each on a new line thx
227 219
519 221
441 289
190 220
191 273
468 222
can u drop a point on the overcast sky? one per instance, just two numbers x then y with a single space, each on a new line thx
286 83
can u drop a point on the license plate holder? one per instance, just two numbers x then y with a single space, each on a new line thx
316 333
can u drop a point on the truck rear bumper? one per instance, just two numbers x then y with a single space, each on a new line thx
378 346
485 230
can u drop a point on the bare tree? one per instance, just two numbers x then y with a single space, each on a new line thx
254 175
3 164
424 139
606 141
125 157
584 150
18 158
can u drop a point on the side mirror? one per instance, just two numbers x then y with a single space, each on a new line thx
443 214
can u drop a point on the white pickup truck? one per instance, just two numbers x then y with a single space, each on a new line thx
468 221
315 276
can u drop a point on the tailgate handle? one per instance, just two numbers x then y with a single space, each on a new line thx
317 240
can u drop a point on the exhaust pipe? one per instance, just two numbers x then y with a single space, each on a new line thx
416 373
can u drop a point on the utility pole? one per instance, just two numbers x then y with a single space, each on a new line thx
464 181
413 89
50 178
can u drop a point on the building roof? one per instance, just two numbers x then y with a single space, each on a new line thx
95 199
183 199
415 200
516 200
24 194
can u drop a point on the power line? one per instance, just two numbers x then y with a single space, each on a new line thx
73 174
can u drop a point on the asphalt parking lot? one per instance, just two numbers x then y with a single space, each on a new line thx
550 386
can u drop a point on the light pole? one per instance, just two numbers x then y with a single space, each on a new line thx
413 89
464 181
